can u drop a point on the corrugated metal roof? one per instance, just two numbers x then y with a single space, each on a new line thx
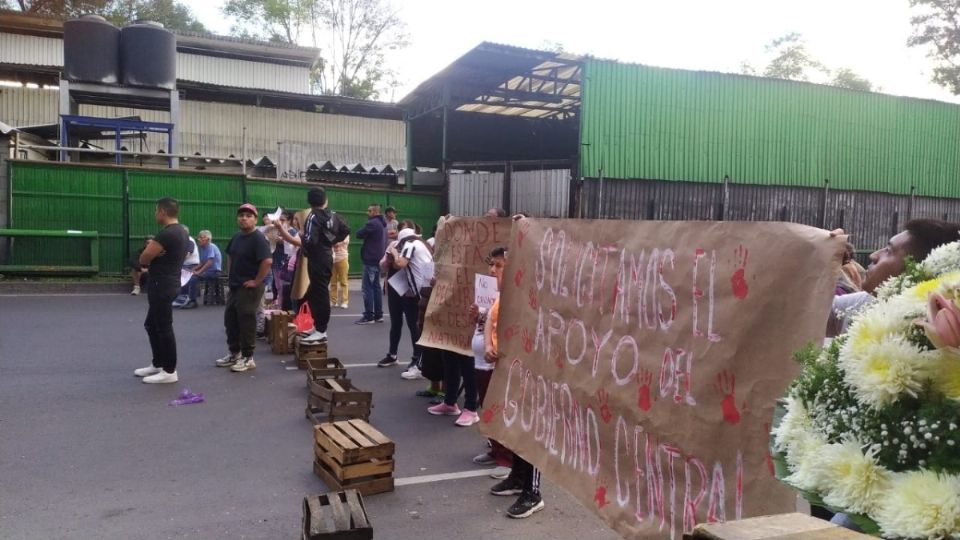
502 79
48 52
31 50
666 124
293 139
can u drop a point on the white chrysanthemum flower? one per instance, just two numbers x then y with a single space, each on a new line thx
920 504
871 326
879 373
892 286
941 260
850 479
793 426
801 459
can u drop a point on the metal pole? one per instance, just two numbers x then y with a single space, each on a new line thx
724 210
600 194
16 145
243 151
913 191
408 173
826 198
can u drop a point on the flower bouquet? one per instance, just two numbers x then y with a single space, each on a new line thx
871 425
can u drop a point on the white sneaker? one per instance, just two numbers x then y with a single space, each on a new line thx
412 373
161 378
135 291
228 360
344 305
314 337
244 364
146 371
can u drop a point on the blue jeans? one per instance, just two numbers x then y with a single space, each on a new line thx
372 294
193 286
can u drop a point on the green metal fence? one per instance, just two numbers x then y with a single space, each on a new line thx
119 204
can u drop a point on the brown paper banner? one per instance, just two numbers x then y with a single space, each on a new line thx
640 361
462 245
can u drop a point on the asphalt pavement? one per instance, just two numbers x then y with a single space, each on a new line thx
88 451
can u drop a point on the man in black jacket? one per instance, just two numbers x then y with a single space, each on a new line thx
374 236
321 231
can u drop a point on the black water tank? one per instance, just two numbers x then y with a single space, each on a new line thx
91 50
148 56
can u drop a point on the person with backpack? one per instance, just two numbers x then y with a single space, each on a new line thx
321 230
402 306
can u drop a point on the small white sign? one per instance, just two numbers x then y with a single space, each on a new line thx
399 283
485 289
274 217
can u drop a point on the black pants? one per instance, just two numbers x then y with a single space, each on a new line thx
159 322
527 474
457 367
320 269
403 307
240 319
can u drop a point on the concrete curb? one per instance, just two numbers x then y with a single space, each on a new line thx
11 287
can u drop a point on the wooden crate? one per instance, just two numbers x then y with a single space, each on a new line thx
325 368
330 399
303 352
279 332
351 454
779 527
345 519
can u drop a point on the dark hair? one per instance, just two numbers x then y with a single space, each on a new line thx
316 196
287 214
390 209
927 234
407 224
498 251
169 205
417 229
849 253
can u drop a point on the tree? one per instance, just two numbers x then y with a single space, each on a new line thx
792 61
936 27
354 38
170 13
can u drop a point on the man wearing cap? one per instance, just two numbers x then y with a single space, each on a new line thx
392 224
248 263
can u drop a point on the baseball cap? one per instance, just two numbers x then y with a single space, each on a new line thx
247 207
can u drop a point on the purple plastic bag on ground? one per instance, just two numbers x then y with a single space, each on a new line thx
186 398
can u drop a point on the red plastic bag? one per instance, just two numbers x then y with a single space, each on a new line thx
304 318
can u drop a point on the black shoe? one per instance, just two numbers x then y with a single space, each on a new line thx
192 304
387 361
378 319
508 486
526 505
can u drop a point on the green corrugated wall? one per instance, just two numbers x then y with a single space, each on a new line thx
666 124
58 196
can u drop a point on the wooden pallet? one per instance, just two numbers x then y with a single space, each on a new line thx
330 399
325 368
351 454
279 332
303 352
345 519
778 527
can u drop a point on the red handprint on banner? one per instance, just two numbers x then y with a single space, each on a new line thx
527 340
603 398
510 332
600 496
738 282
518 277
532 297
644 379
727 384
490 413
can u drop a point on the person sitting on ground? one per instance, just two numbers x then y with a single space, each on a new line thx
916 241
211 263
192 261
138 274
248 263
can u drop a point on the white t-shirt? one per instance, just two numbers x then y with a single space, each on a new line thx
421 262
193 258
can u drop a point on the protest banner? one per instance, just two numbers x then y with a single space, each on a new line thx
640 361
462 246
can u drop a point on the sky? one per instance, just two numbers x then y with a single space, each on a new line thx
867 36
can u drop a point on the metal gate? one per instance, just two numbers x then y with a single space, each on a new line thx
538 193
